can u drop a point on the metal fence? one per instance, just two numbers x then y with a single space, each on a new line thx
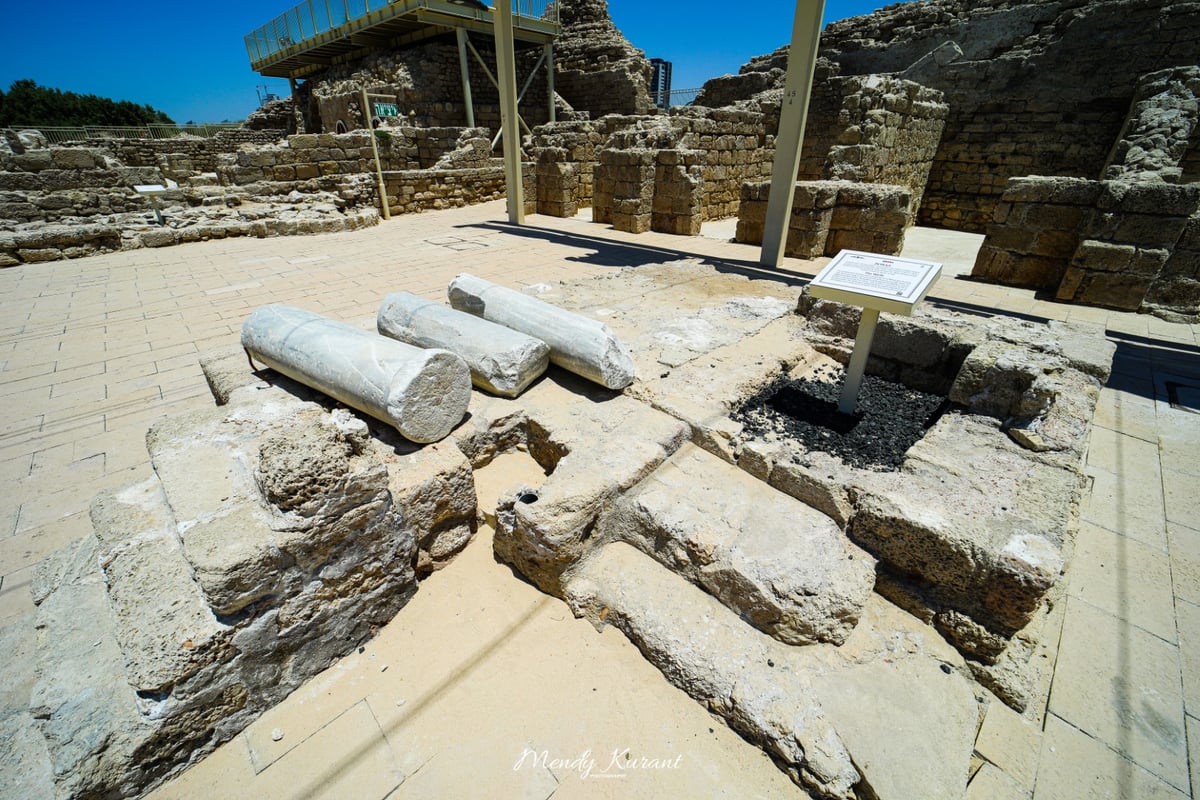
313 17
676 97
56 134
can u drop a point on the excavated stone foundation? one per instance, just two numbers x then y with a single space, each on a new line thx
847 618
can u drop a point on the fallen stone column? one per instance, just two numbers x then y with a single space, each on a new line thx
502 361
581 345
423 393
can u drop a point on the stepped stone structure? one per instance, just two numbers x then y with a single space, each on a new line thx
278 529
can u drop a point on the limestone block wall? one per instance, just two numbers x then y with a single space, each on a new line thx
869 128
734 146
1129 246
1162 127
874 129
569 146
426 82
830 216
722 148
413 191
49 185
624 188
1038 88
596 68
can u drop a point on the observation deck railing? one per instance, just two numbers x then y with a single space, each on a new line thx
56 134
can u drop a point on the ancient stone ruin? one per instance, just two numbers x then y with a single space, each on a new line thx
766 578
950 100
780 585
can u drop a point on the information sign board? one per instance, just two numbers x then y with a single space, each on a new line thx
386 110
869 280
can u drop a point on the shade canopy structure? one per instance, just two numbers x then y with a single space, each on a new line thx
320 33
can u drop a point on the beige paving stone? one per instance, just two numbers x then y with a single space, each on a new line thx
53 456
326 696
348 757
1124 577
1181 494
1185 561
1133 508
991 783
226 774
1127 413
29 546
1122 685
15 599
15 468
1122 454
1076 766
1189 654
1010 742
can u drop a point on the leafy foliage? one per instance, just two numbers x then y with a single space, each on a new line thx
26 103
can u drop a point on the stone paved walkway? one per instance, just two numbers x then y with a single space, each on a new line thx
92 350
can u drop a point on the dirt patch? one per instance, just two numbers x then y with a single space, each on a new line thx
890 418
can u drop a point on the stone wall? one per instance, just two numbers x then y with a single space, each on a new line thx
1129 246
312 155
426 81
181 157
830 216
413 191
1040 88
873 129
597 70
1162 126
49 185
585 163
866 128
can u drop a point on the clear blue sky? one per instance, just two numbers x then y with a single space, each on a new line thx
188 58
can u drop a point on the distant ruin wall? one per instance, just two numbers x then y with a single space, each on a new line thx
724 148
426 81
597 70
1041 88
1162 127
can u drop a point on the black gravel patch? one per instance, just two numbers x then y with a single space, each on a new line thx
890 419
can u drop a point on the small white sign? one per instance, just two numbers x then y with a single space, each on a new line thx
149 188
884 283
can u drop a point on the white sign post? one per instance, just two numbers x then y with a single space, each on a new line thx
152 190
874 283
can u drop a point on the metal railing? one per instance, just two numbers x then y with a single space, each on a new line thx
56 134
312 18
675 97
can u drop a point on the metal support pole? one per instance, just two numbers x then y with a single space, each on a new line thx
506 68
384 205
550 80
461 33
858 361
802 60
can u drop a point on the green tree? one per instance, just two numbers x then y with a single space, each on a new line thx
26 103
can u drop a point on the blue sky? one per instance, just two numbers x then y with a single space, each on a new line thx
188 59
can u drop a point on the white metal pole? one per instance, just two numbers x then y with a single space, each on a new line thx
464 67
550 78
802 60
858 361
506 69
